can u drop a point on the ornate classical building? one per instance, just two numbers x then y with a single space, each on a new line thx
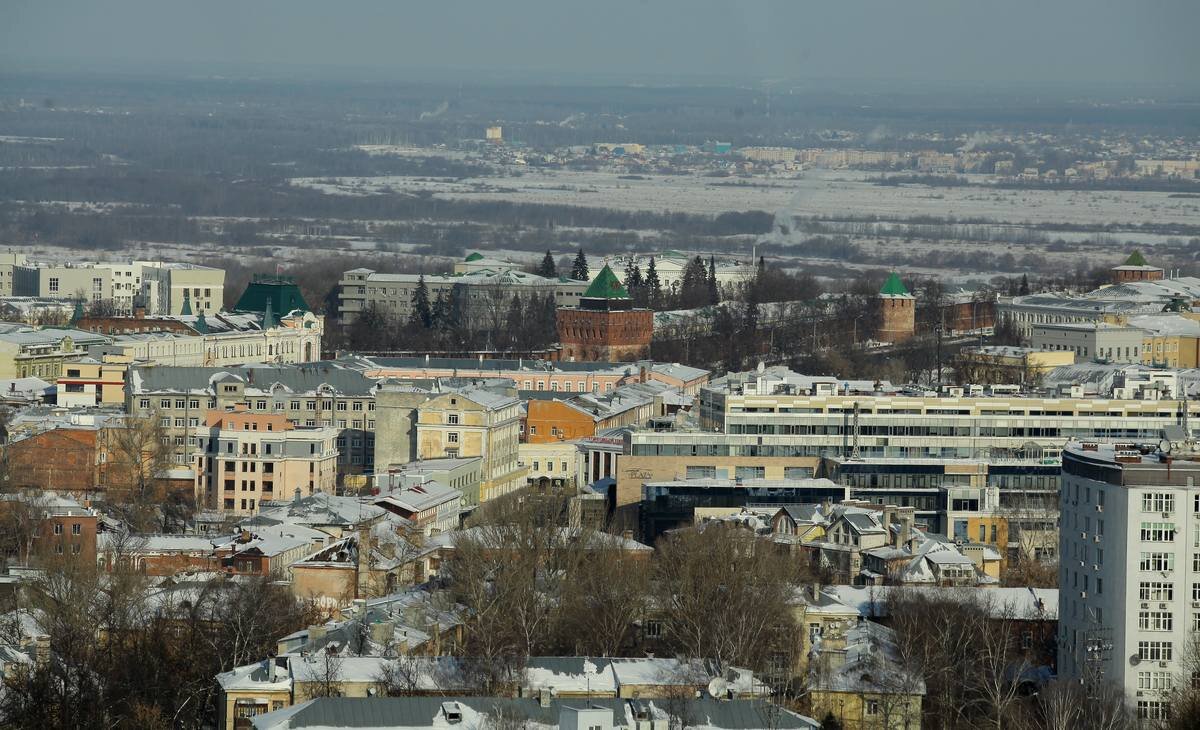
897 311
605 326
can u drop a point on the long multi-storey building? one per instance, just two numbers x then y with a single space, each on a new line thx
1129 577
309 395
775 424
162 287
537 375
478 299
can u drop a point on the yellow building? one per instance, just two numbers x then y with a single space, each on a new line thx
1005 364
474 422
31 352
90 382
862 681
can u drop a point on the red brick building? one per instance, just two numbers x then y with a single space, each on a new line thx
1135 268
968 313
605 326
63 459
53 527
897 311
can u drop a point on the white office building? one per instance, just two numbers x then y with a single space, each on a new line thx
1129 575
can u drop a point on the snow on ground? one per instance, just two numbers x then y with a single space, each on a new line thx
818 192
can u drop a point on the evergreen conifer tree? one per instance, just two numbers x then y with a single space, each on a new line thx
547 268
421 312
579 269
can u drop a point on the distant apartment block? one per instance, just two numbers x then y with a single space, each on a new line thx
480 299
162 287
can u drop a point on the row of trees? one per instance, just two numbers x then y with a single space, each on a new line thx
531 587
497 321
123 654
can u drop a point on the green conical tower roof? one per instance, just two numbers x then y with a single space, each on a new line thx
186 309
606 285
269 321
201 325
78 313
1136 259
893 287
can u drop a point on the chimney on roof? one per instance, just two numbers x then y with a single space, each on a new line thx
544 695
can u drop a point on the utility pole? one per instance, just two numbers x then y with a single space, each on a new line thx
938 331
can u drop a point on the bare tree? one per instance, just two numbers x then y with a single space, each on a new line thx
141 451
727 567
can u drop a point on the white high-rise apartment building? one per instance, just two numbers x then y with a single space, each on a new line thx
1129 575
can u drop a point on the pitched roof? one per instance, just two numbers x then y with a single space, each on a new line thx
1136 259
893 287
281 291
606 285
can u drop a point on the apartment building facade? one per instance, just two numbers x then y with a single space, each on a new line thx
1129 578
474 422
309 395
246 457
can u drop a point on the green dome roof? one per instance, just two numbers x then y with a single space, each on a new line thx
474 256
606 285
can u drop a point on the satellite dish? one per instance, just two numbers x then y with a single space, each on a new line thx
1135 659
1165 446
718 688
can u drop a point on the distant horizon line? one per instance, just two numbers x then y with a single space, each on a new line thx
281 72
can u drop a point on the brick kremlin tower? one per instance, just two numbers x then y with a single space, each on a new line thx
897 311
605 326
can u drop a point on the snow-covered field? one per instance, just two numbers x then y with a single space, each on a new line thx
818 192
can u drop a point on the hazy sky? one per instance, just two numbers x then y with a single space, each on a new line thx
1022 41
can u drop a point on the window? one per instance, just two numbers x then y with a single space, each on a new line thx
1158 502
144 403
1156 591
751 472
1152 710
701 472
654 629
452 419
1155 651
872 707
76 529
452 437
797 472
1158 532
1155 620
1154 680
58 528
1157 561
53 284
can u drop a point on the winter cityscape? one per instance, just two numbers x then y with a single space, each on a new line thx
647 366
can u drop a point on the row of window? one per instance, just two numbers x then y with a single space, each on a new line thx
1149 590
262 405
1164 562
